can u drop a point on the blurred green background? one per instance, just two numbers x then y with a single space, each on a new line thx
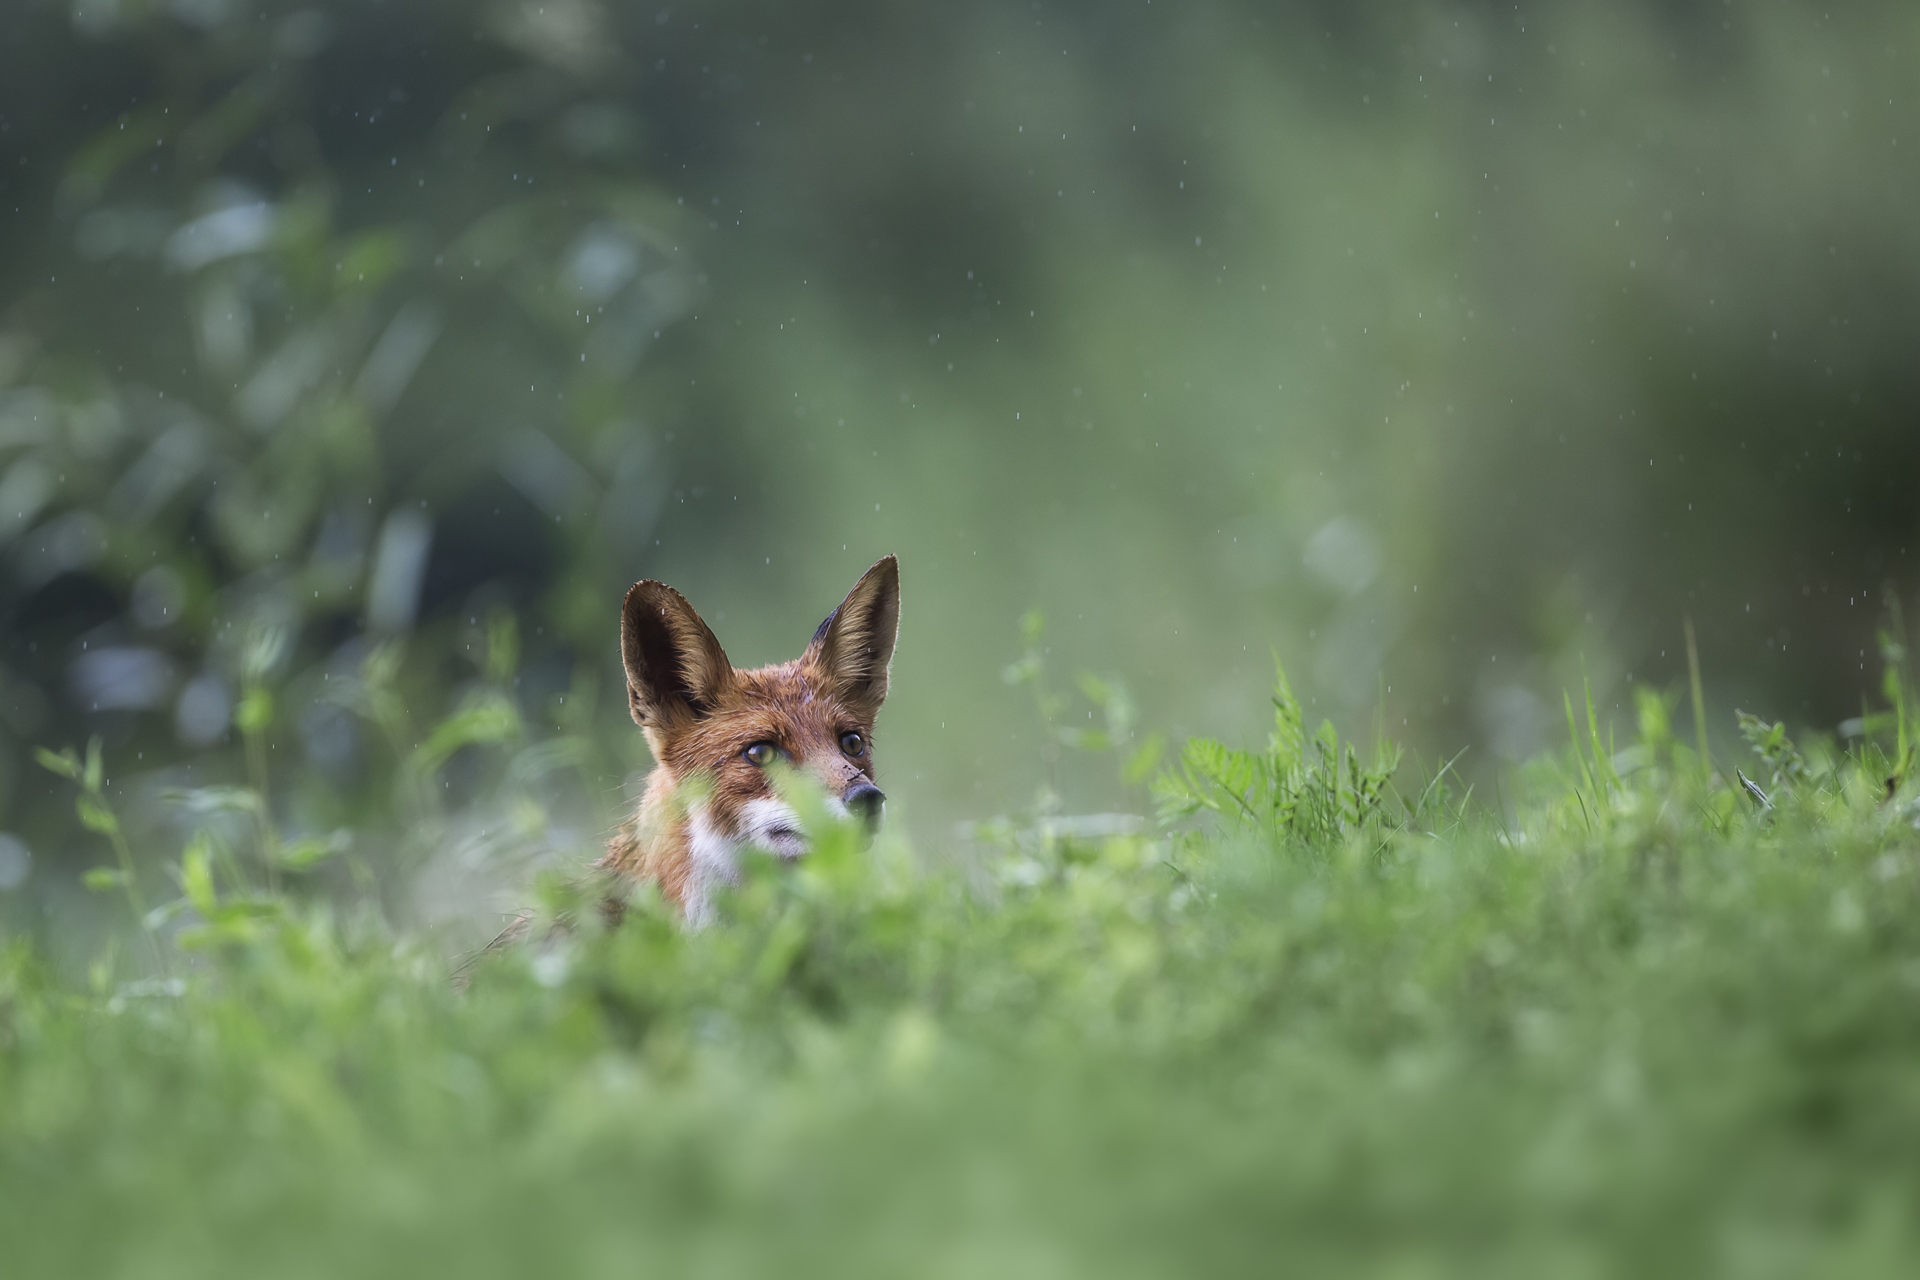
1453 352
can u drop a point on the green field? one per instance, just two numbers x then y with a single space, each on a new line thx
1326 1016
357 356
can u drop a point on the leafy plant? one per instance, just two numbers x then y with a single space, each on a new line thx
1310 790
97 815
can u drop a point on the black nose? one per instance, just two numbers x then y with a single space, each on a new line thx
865 799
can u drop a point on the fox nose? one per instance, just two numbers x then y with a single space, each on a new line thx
865 799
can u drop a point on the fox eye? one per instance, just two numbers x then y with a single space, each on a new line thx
760 753
853 744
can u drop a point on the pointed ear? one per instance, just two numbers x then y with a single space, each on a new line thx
675 668
854 647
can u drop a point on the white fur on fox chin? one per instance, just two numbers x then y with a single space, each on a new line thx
768 822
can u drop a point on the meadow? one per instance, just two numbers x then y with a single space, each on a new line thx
1503 369
1643 1013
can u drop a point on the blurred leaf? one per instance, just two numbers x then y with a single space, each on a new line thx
1092 740
165 914
491 718
220 128
782 947
371 258
266 642
1655 713
1144 760
94 165
65 763
496 239
196 875
104 879
1033 628
95 815
532 765
1893 648
303 855
255 712
381 667
503 647
95 772
215 799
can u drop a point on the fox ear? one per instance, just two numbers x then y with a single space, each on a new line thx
675 667
854 647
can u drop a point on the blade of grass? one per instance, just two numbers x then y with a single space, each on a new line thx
1602 756
1579 755
1699 704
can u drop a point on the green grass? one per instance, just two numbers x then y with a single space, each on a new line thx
1631 1023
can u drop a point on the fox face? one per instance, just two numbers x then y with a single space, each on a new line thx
718 734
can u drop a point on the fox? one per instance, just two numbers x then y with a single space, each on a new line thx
717 734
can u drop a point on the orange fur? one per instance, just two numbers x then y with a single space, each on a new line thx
701 716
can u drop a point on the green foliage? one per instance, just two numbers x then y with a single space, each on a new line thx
1659 1040
486 718
249 377
1332 1026
1770 742
279 289
97 815
1639 1019
1896 685
1311 791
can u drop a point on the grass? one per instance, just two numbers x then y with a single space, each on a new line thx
1639 1020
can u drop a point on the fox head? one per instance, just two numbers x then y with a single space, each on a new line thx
729 729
